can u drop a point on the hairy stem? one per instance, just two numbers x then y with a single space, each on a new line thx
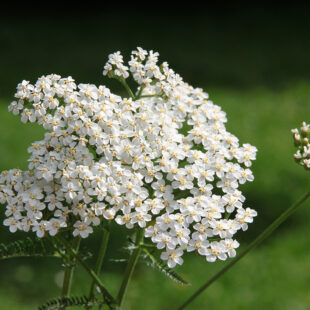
133 259
101 254
91 272
68 276
275 224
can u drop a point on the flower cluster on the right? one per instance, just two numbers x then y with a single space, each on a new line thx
301 141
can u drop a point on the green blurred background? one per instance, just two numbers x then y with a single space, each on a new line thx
254 62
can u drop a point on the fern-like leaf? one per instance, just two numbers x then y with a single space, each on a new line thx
154 262
77 301
27 247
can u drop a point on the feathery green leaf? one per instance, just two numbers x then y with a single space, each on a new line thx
155 262
77 301
27 247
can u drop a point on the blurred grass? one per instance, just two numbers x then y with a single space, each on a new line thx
274 276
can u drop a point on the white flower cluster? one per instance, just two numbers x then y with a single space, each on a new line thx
301 140
161 160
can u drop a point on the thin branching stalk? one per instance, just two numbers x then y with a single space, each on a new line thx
140 92
274 225
69 270
133 259
151 96
128 89
90 271
101 254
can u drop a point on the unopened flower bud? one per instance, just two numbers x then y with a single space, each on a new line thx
307 164
305 141
297 139
304 129
297 156
294 131
306 150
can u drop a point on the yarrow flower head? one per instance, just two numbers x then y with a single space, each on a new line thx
159 159
301 141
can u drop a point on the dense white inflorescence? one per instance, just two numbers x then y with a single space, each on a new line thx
301 140
160 159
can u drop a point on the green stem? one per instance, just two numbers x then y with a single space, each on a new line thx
150 96
274 225
124 83
91 272
68 276
101 254
140 92
133 259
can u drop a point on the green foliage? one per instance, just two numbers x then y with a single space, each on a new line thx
160 265
35 247
62 302
27 247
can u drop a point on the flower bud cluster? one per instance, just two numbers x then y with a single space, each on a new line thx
161 160
301 141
